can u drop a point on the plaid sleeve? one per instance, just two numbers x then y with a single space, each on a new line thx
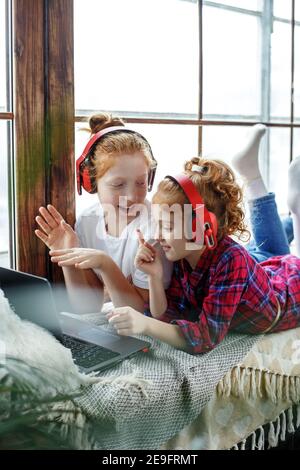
225 291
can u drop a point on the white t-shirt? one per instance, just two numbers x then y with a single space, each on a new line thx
90 228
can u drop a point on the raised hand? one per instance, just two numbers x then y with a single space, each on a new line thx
147 258
54 231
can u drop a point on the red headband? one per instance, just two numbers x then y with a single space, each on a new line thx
210 221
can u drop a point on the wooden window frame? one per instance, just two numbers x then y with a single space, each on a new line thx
43 122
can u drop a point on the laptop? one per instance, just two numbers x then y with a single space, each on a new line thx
93 348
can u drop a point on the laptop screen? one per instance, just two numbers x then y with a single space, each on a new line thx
31 298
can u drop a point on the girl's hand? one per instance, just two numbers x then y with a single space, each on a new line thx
81 258
55 232
147 258
128 321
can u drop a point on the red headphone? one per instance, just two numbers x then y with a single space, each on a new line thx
83 176
210 225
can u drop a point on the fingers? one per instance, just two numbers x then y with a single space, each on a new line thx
142 242
84 264
44 226
140 236
48 217
120 323
58 256
66 226
63 251
42 236
55 214
144 254
67 261
118 310
150 247
124 331
67 256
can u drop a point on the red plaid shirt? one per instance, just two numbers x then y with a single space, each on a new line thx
229 290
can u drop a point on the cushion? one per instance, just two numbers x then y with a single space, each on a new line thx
31 344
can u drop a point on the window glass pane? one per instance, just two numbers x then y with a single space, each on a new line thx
247 4
297 11
4 203
282 9
2 57
281 70
231 63
171 145
296 143
297 75
222 142
279 164
138 55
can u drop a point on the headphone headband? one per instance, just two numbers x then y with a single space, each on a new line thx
210 225
83 176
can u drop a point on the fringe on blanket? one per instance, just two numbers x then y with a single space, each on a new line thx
286 423
75 425
253 383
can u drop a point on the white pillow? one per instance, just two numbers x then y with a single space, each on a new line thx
35 346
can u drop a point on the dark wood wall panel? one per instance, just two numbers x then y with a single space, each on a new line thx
60 110
29 110
44 121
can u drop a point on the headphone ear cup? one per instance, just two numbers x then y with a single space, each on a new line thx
88 183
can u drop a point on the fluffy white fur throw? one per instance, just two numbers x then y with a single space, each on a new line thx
38 348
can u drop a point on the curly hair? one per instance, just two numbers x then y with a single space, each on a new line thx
221 194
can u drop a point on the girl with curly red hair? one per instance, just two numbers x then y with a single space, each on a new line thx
214 289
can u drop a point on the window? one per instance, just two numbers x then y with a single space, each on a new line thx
179 64
4 200
231 63
7 249
297 66
191 75
138 65
2 56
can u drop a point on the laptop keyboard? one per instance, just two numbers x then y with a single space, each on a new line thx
87 354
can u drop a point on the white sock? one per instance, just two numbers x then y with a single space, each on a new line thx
296 228
294 186
293 199
256 188
246 163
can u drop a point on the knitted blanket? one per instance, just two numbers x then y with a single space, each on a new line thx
150 397
138 404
